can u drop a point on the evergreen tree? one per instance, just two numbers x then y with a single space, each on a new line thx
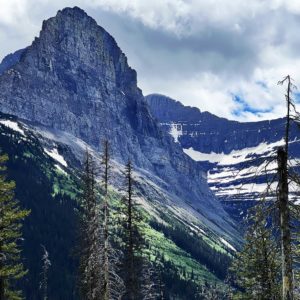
113 286
91 262
257 266
11 216
138 272
132 238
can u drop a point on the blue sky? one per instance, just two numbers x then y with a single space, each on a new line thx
203 53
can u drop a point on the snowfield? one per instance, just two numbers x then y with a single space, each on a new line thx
235 176
56 156
12 125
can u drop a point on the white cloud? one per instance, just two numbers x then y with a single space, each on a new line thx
199 52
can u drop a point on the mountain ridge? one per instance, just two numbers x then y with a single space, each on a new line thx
233 153
218 128
75 79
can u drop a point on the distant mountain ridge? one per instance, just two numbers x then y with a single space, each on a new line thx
232 152
214 134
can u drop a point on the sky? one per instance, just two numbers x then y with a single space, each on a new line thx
222 56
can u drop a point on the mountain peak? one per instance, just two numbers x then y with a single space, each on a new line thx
74 79
73 13
73 24
76 11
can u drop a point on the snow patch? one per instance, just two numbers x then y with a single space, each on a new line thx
56 156
58 167
176 131
235 156
227 244
200 156
12 125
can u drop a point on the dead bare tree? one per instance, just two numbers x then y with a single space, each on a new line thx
283 201
282 211
45 267
151 286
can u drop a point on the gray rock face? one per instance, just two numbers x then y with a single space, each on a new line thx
74 78
10 60
207 133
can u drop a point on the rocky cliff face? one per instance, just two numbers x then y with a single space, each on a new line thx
233 153
74 79
10 60
207 133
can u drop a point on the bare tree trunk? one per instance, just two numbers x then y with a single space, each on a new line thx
45 268
286 251
90 266
161 290
130 231
283 199
106 246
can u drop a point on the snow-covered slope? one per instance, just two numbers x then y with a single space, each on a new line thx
239 157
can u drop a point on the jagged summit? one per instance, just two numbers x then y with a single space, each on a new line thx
75 11
78 58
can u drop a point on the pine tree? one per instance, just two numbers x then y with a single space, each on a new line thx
91 263
11 216
138 272
132 264
257 266
288 211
